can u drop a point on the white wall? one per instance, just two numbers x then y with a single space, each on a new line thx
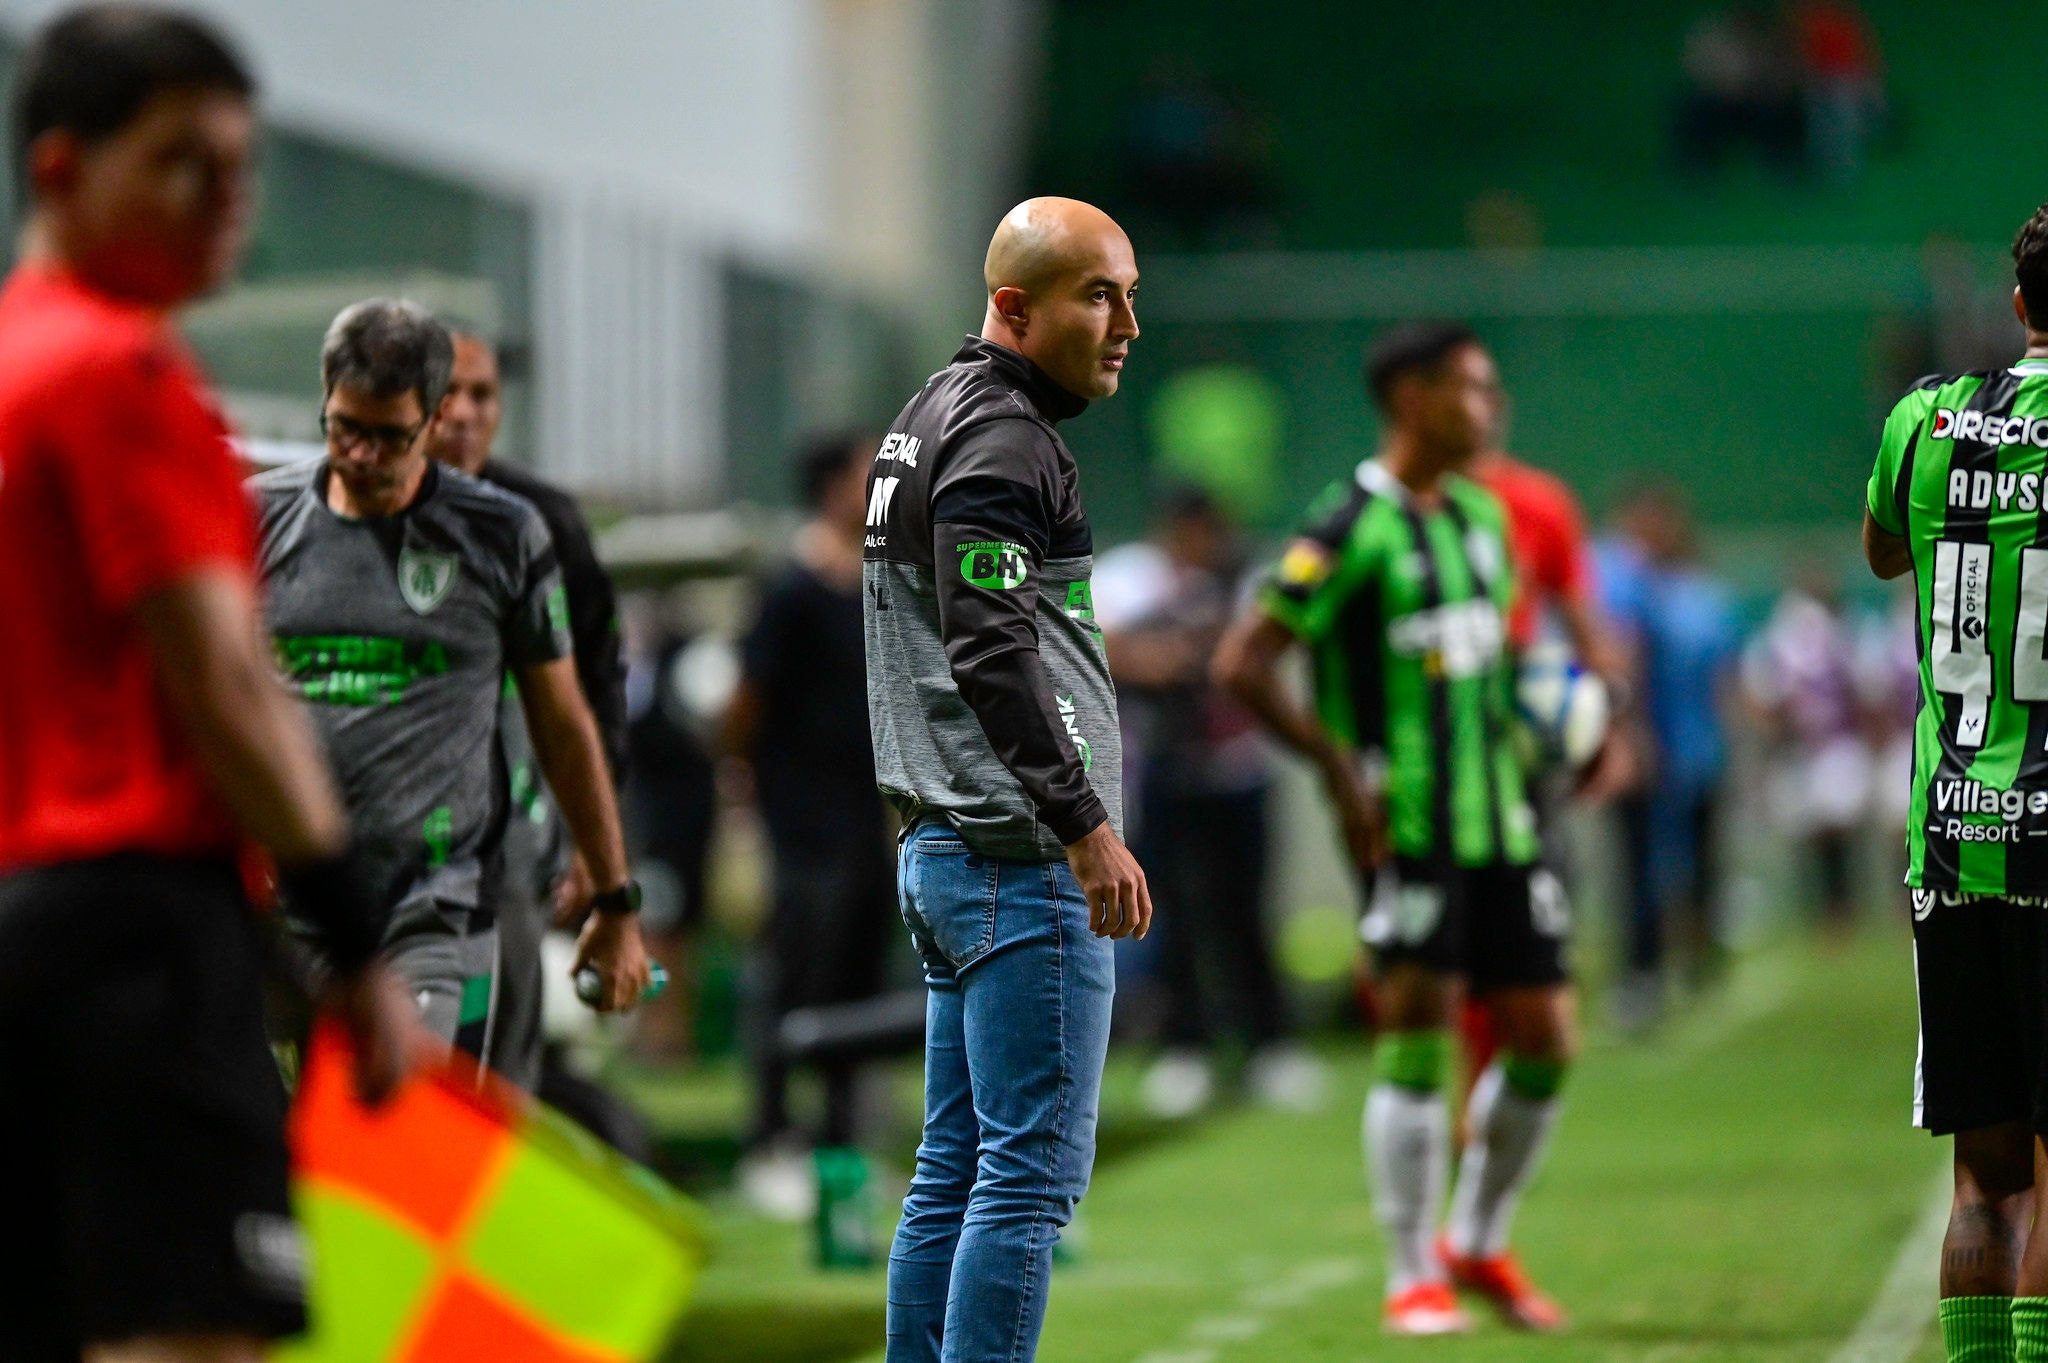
705 107
866 145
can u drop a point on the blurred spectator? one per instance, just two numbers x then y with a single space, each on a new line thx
1888 690
1799 678
1680 625
1741 91
671 806
798 731
1842 77
1198 161
1199 772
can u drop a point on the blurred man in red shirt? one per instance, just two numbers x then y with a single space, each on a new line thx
1554 578
1553 571
143 737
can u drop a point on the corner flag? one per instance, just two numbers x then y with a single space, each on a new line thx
458 1226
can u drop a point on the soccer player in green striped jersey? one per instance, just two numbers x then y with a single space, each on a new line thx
1398 588
1957 499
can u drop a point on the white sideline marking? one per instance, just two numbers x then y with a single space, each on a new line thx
1206 1335
1904 1307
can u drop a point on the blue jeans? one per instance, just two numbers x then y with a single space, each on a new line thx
1018 1025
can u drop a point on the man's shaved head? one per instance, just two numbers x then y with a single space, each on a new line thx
1041 239
1060 276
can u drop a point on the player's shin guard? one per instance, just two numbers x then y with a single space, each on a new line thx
1973 1332
1514 1108
1407 1148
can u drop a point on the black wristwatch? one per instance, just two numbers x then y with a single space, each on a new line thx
624 900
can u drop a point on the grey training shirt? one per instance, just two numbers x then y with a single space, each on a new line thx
398 632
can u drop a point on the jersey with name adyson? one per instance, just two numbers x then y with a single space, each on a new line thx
989 696
1959 475
398 632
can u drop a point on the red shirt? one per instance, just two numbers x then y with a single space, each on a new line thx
1546 536
116 479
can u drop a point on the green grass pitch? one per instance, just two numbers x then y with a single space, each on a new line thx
1737 1188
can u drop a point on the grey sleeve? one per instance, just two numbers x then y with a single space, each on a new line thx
537 626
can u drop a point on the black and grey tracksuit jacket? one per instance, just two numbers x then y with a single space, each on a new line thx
989 698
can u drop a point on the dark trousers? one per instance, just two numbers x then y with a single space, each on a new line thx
516 1049
1671 862
828 941
1206 862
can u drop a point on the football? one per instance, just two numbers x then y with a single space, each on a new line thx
1564 707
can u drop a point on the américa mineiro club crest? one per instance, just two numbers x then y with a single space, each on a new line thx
424 578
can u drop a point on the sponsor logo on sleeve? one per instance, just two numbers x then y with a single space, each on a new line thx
1081 745
996 565
1304 566
1081 603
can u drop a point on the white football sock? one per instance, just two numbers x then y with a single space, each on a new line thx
1509 1132
1407 1159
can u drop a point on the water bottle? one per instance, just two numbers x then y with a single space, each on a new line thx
590 984
844 1224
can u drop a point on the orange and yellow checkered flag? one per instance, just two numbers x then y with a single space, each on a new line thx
458 1225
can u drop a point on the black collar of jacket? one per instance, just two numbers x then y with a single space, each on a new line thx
1053 402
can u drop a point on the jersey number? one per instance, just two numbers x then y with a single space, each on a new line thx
1960 630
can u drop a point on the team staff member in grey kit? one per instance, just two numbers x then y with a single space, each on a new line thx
461 436
400 593
995 735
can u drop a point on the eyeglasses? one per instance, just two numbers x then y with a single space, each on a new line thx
347 433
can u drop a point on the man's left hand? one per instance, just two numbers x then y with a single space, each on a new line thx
610 944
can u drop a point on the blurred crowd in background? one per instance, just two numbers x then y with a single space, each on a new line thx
1802 87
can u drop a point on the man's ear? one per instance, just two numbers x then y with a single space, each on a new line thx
1013 305
52 162
1399 395
2019 308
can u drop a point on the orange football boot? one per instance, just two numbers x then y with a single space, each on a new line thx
1501 1280
1426 1309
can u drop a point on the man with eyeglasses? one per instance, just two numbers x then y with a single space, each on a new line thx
401 594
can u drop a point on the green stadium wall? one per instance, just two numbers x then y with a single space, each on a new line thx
1388 122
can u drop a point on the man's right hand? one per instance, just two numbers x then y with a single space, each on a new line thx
384 1028
1119 901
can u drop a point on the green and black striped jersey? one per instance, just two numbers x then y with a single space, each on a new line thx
1959 475
1403 608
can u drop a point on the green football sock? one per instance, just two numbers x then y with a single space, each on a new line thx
1533 1079
1418 1061
1981 1329
2027 1321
